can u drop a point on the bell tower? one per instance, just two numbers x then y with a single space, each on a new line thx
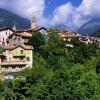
14 27
33 23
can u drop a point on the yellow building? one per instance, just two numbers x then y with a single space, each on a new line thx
17 58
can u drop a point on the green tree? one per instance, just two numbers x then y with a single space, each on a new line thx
1 49
9 94
37 40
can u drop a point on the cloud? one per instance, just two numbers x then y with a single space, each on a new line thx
66 14
62 13
26 8
89 7
75 16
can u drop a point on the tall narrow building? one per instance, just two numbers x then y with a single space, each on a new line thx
14 27
33 23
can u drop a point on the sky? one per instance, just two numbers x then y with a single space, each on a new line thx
72 13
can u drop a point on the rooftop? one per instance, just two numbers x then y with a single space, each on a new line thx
67 34
23 34
6 28
10 47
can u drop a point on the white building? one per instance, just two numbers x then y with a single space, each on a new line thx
4 33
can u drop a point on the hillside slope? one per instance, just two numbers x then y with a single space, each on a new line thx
8 19
90 27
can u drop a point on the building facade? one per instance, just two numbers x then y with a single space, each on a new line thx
16 58
69 36
4 33
17 53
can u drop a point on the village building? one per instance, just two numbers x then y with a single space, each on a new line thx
17 54
16 58
4 33
86 39
69 36
34 23
18 38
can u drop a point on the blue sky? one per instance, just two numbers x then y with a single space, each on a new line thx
52 4
72 13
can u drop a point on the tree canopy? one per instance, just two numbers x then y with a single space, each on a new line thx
58 72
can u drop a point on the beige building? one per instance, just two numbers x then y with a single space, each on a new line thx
67 36
4 33
16 58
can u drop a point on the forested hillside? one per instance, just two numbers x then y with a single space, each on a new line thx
58 73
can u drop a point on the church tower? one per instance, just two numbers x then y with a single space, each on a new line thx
33 23
14 27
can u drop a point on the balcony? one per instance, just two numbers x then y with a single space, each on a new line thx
13 66
19 56
11 63
26 41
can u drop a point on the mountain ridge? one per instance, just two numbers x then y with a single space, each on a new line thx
9 19
90 27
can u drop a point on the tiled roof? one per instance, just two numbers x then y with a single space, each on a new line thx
9 47
67 34
26 30
30 30
26 33
23 34
6 28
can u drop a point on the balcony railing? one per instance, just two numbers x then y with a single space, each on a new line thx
19 55
13 63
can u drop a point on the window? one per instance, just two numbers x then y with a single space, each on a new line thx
18 38
6 67
13 67
21 51
3 43
20 66
6 33
21 59
28 58
3 38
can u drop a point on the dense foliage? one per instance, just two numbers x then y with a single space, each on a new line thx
1 49
58 73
